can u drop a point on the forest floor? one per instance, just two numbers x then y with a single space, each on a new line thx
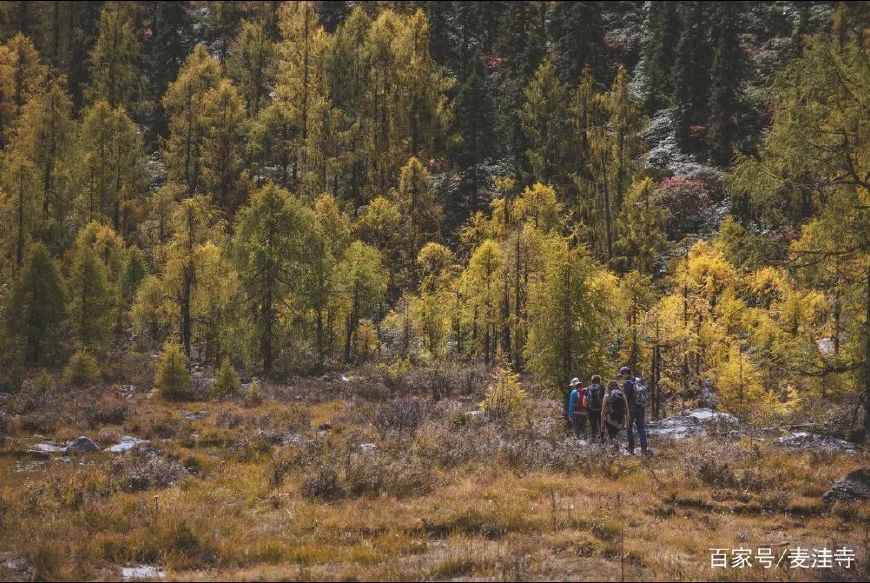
350 479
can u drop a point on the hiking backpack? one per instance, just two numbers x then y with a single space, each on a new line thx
641 393
594 396
616 404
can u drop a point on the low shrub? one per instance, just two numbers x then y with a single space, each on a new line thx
714 473
399 416
107 411
323 484
138 472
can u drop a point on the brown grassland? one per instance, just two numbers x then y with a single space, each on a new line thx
282 489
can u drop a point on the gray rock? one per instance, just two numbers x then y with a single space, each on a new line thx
142 572
689 424
706 415
126 444
367 447
804 440
82 445
4 396
49 448
855 486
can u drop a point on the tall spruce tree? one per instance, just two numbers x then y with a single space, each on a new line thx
164 49
577 33
544 118
726 79
662 31
692 78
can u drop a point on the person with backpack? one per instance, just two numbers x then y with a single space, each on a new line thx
577 408
614 409
566 403
594 400
637 397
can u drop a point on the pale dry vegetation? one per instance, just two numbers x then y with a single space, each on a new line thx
390 483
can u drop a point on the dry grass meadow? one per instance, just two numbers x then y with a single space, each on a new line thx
326 479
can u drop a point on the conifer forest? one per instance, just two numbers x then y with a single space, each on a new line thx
328 290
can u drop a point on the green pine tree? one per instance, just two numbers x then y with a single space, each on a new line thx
36 308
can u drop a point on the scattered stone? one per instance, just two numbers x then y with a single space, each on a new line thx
82 445
855 486
805 440
126 444
49 448
142 572
689 424
367 447
706 415
5 396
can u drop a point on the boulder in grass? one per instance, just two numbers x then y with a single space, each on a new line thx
690 423
854 487
126 444
49 448
805 440
82 445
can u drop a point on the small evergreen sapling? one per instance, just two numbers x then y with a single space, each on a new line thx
226 381
172 378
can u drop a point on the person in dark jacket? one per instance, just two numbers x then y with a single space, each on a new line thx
594 400
636 411
614 410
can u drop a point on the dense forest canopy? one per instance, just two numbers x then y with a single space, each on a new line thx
553 187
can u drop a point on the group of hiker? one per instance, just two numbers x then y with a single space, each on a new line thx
596 411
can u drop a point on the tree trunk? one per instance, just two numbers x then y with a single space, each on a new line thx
186 286
266 335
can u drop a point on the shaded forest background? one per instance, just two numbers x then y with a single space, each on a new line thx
550 187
